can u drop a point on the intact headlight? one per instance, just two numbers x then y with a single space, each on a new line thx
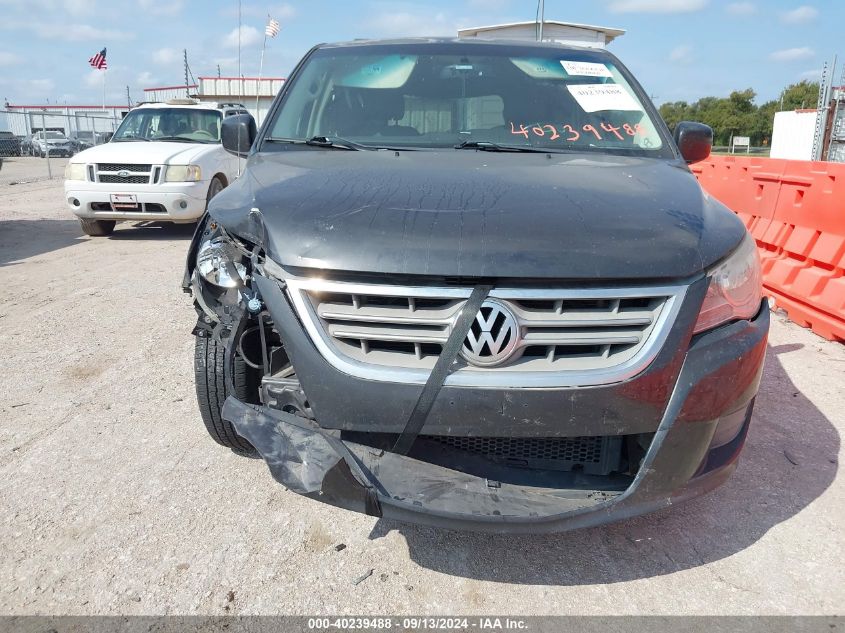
75 171
735 288
220 262
183 173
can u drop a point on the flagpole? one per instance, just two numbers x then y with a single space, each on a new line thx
260 72
104 90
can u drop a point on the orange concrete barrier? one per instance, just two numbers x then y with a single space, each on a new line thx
796 212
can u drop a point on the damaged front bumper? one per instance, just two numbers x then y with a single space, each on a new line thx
690 454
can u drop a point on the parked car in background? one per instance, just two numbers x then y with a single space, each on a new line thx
475 284
28 145
80 144
10 145
56 143
165 162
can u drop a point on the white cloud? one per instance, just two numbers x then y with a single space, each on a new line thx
793 54
657 6
94 78
41 86
741 8
406 24
78 32
146 79
165 56
800 15
681 54
249 36
162 7
812 75
74 7
80 7
9 59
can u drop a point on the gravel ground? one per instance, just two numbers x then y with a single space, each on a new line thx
114 501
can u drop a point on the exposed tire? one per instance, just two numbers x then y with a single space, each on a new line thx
97 228
217 185
210 372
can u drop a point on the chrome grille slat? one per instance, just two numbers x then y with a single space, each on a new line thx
567 336
386 334
580 338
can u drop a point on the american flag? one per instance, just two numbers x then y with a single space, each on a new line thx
273 28
98 61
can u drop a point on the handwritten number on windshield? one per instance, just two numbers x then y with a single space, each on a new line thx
547 130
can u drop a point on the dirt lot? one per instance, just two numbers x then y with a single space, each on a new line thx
113 500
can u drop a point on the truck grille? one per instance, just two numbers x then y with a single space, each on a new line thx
565 336
133 174
131 180
123 167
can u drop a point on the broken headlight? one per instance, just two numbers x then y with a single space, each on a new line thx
221 263
735 289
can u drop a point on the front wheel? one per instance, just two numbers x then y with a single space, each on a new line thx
214 188
211 368
97 228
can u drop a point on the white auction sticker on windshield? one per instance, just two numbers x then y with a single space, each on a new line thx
585 69
596 97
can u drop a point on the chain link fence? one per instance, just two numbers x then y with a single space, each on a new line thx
36 144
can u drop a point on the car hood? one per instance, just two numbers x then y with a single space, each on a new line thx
479 214
154 153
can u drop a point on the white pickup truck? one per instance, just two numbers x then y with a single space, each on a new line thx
164 163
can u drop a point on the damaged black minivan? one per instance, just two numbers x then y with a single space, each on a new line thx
474 284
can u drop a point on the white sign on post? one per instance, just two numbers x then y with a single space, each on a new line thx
741 141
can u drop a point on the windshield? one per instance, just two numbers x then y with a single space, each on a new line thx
55 135
170 124
444 95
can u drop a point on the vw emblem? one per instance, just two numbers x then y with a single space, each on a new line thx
123 173
493 337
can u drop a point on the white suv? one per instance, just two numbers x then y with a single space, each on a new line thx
165 162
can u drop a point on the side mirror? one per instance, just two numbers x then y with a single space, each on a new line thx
238 132
694 140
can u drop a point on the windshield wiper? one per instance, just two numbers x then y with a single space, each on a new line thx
181 139
131 138
331 142
489 146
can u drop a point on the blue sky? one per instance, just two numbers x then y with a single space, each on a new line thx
679 49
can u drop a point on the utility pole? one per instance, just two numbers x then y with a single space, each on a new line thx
185 53
542 19
218 71
128 98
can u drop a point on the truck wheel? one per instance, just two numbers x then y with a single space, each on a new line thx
97 228
214 188
210 368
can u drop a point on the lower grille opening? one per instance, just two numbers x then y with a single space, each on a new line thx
145 207
593 462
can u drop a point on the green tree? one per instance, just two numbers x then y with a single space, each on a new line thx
738 115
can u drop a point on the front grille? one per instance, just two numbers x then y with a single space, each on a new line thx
134 174
130 180
565 336
123 167
597 455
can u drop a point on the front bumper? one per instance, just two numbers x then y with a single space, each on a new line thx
696 398
172 202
